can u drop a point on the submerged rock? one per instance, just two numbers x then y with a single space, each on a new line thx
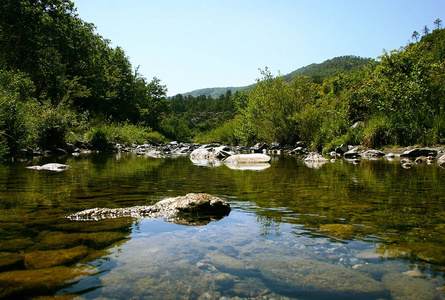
15 284
15 244
55 167
10 260
405 287
60 240
299 276
52 258
192 209
341 231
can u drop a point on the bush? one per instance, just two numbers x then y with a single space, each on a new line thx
377 132
102 136
99 138
127 134
54 124
176 129
224 134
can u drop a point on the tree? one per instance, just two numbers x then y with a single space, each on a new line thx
415 36
438 23
426 30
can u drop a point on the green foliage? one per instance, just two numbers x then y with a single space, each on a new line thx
60 80
54 125
56 71
399 100
127 134
103 135
99 138
176 129
276 110
329 68
225 134
16 111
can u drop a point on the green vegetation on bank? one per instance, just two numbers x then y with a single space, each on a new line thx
60 82
396 100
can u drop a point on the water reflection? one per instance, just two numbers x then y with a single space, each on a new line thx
375 219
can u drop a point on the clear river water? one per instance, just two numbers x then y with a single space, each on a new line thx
372 230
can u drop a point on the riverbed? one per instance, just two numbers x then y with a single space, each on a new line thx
368 229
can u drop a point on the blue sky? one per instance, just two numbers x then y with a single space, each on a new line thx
192 44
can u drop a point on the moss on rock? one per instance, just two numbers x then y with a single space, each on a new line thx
52 258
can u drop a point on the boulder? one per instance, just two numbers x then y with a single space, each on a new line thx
353 153
441 161
299 150
191 209
341 149
373 153
259 148
315 157
211 152
314 160
413 153
254 158
55 167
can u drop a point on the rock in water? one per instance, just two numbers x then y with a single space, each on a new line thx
254 158
191 209
50 167
419 152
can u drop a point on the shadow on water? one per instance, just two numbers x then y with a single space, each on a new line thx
373 230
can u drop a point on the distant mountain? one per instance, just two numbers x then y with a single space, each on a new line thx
215 92
330 67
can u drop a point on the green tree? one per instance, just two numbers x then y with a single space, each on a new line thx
438 23
415 36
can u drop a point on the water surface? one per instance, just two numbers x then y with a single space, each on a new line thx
372 230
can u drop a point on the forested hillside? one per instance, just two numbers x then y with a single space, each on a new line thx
62 82
395 100
318 72
330 67
62 85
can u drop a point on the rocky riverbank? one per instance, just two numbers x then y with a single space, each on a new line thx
214 154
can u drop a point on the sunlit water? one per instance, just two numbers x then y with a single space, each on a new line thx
372 230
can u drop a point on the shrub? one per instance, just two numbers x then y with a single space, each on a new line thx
224 134
99 138
126 133
54 124
176 129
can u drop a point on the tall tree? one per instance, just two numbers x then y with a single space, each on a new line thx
426 30
415 36
438 23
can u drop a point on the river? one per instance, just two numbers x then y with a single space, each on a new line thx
343 230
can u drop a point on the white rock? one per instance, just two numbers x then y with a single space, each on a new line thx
254 158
